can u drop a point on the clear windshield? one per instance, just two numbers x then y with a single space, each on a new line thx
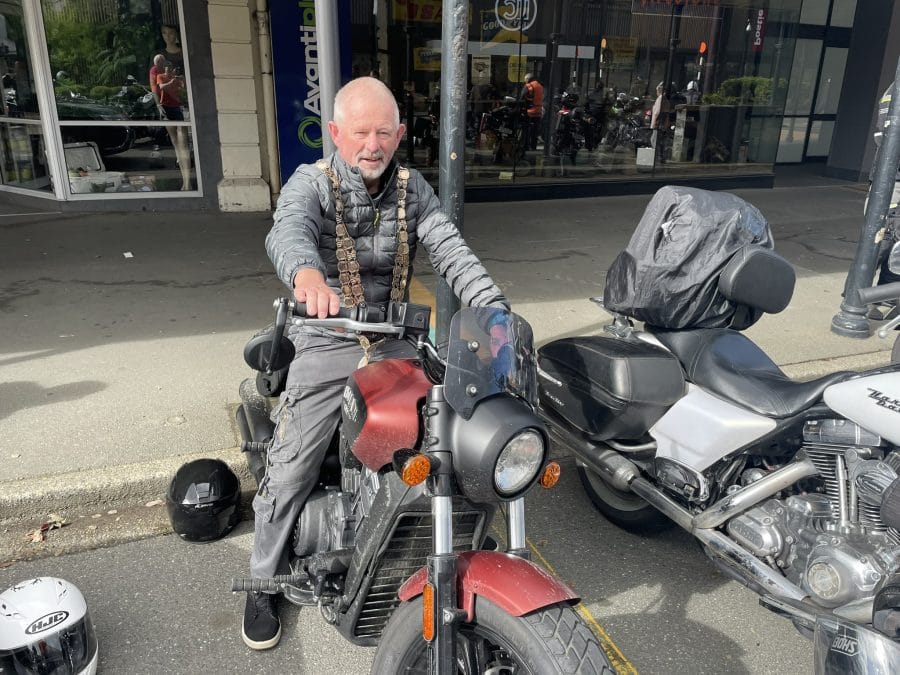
845 648
491 351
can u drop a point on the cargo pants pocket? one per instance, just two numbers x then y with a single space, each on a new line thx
264 502
286 439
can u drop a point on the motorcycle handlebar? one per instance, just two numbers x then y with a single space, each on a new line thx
875 294
367 313
361 319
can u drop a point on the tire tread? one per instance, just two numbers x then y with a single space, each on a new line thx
572 643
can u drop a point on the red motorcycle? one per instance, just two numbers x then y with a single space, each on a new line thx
393 544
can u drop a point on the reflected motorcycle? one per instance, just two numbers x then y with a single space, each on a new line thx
628 126
503 129
792 488
393 545
576 128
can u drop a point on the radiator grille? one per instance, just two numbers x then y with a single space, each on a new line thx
406 553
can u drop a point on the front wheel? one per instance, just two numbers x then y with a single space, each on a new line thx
625 509
548 641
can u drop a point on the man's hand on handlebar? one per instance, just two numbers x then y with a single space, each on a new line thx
320 299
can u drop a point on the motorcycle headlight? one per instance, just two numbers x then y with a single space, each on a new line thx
519 462
498 453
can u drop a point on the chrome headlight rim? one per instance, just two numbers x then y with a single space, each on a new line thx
519 463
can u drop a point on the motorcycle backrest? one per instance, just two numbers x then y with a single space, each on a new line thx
759 278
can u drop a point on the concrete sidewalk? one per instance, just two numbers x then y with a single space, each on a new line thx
122 333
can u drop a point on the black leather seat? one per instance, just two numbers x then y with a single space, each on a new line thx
729 364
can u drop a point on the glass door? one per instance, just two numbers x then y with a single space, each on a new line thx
120 90
23 160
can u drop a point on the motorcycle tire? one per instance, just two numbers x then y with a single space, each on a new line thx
624 509
552 640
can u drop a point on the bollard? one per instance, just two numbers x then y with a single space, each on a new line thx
851 320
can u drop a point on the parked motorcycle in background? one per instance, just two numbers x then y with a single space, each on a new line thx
503 129
576 128
792 488
393 544
628 126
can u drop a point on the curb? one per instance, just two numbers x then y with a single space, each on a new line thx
104 488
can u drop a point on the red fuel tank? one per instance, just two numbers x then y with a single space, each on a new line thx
380 409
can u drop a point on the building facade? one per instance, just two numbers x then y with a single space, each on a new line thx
165 104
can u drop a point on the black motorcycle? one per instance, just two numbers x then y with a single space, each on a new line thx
392 544
576 128
628 125
504 129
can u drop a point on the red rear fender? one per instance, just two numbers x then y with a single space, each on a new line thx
516 585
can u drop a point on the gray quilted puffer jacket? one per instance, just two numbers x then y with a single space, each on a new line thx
303 234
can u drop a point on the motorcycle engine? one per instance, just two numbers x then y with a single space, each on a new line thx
832 543
331 516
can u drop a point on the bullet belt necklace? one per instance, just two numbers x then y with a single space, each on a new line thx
348 266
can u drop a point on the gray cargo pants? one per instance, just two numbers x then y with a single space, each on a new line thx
305 419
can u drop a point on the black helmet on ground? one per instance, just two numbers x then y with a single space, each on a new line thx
203 500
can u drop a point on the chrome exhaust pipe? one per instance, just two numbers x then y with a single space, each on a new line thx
624 475
750 495
618 471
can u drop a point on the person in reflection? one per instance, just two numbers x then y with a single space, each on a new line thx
172 50
532 95
345 232
159 64
170 84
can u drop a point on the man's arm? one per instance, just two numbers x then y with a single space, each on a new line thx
450 256
293 242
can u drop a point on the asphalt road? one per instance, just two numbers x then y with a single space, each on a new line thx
163 606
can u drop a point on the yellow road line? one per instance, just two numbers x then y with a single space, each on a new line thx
622 665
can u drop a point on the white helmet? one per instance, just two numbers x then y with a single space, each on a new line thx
45 628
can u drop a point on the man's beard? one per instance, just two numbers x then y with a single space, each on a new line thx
369 173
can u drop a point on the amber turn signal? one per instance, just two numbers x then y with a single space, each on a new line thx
412 467
428 612
550 475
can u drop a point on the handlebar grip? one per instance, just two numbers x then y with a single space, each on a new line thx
366 313
874 294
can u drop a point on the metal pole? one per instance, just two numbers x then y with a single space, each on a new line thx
451 172
552 67
851 320
329 65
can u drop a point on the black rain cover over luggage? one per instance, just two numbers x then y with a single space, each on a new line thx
668 274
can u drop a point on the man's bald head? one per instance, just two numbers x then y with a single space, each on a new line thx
362 91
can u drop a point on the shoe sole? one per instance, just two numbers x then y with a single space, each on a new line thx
264 644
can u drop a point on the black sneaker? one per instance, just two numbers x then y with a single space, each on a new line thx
262 629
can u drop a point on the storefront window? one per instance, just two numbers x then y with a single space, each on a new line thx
122 92
656 88
23 161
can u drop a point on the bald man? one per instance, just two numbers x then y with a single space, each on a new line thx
388 211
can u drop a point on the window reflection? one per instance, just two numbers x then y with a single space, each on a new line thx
150 164
121 66
24 161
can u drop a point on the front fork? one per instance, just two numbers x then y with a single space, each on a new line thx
441 564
